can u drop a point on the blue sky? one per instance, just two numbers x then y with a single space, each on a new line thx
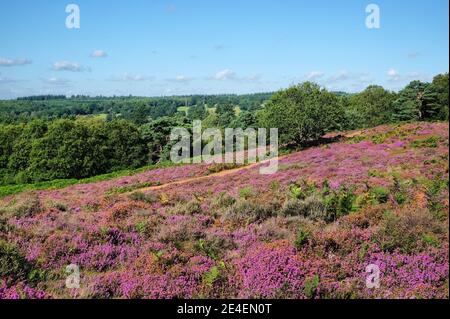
155 47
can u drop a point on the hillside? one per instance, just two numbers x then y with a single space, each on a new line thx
309 231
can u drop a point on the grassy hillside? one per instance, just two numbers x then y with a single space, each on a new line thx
309 231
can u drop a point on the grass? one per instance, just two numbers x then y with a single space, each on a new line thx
8 190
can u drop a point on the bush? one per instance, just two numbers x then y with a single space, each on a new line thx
214 246
245 192
380 195
245 212
13 265
27 205
148 198
190 208
311 207
222 201
409 230
301 238
338 204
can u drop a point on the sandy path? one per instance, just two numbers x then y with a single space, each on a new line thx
224 172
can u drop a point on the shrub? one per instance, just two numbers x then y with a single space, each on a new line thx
410 230
380 195
301 238
27 205
223 200
311 207
148 198
245 192
244 212
13 265
190 208
310 286
431 142
214 246
338 204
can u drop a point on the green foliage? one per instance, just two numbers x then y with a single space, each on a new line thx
192 207
213 275
245 212
214 246
302 113
246 192
27 205
13 265
431 142
301 238
148 198
380 194
373 106
311 207
310 286
410 231
338 203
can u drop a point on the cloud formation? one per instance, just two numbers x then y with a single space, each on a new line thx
126 77
55 81
393 75
99 54
314 75
181 79
13 62
68 66
224 75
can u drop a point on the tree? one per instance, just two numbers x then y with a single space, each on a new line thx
373 106
437 94
226 114
156 136
302 113
414 103
126 149
197 112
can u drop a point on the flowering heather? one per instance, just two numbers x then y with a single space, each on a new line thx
309 231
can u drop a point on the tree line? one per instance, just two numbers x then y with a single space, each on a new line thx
39 144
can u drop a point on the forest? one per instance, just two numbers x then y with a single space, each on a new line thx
45 138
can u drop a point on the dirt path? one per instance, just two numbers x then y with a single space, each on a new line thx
224 172
200 178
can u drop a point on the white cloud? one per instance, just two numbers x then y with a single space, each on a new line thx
223 75
55 81
314 75
16 62
181 79
345 76
126 77
99 54
68 66
253 77
393 75
419 76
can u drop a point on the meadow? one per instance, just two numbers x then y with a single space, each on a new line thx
379 197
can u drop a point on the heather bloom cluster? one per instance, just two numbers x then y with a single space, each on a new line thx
308 231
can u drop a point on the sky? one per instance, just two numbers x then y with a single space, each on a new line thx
156 47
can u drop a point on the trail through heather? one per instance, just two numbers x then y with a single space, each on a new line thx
228 171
